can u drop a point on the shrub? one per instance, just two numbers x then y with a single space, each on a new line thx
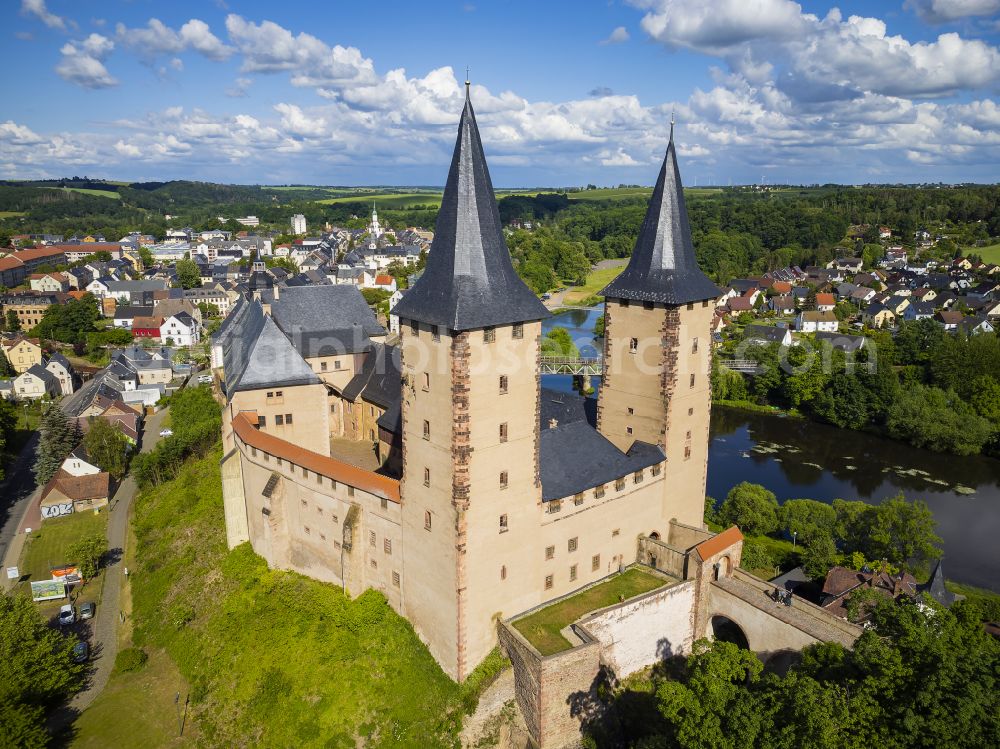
752 507
756 557
130 659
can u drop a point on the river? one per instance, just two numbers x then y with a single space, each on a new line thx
803 459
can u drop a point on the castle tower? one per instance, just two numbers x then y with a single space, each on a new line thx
470 332
657 348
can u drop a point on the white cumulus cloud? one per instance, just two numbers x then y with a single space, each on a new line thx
619 35
944 11
37 9
82 62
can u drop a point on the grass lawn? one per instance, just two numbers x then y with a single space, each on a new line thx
88 191
541 629
47 546
989 254
137 709
12 214
274 658
389 200
596 280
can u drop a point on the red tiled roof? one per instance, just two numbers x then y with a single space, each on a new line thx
719 542
244 424
383 280
825 299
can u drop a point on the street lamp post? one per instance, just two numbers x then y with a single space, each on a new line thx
794 534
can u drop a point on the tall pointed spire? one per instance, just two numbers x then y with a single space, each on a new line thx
663 268
469 281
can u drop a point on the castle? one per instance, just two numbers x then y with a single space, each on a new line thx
487 495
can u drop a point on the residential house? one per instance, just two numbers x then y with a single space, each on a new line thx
30 306
813 321
739 304
845 290
60 367
126 314
862 295
962 263
79 463
65 493
847 264
766 334
949 319
975 325
180 329
780 287
22 353
925 294
37 382
841 582
825 302
385 281
48 282
393 301
877 315
919 311
782 305
146 327
897 304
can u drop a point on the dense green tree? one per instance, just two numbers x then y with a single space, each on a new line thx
558 342
87 553
58 437
751 507
930 417
985 399
375 296
8 425
6 370
188 275
13 321
107 446
36 671
844 402
70 322
819 554
807 519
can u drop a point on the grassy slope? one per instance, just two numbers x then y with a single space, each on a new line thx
99 193
542 628
989 254
596 280
273 658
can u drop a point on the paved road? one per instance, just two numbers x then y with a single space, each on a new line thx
104 627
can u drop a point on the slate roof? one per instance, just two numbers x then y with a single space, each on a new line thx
42 374
841 341
575 457
935 587
257 354
58 358
225 329
127 312
663 268
379 380
565 408
768 333
326 320
469 281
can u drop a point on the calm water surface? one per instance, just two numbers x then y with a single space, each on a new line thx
803 459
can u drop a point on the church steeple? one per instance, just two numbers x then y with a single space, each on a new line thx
469 281
663 268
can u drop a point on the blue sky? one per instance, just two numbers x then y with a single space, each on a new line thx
567 93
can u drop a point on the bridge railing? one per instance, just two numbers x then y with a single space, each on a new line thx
574 365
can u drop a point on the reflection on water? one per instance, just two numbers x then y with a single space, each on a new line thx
796 458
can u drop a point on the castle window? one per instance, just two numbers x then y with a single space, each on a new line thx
253 451
704 303
688 434
262 421
489 335
595 563
503 384
657 469
503 432
322 537
633 345
435 333
427 429
350 491
415 327
427 520
304 503
631 411
334 519
518 330
427 381
687 452
628 430
278 393
572 573
371 538
395 579
550 552
322 366
548 582
624 302
384 503
572 544
692 380
578 499
554 506
619 484
270 394
387 546
690 412
503 572
647 305
637 477
694 346
336 545
336 365
599 492
503 479
306 529
319 480
288 418
503 523
333 408
374 565
427 477
690 305
319 511
615 532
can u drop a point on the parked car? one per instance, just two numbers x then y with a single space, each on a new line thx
546 297
205 379
66 615
87 610
166 432
81 651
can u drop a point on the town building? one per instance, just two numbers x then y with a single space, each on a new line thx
298 224
22 353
